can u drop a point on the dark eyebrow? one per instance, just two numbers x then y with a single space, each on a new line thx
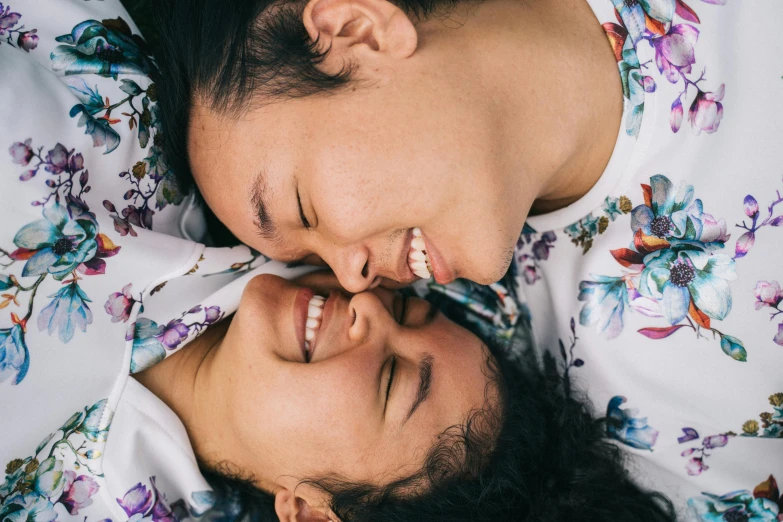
425 384
259 199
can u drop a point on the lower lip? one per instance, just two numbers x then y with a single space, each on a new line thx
440 271
301 303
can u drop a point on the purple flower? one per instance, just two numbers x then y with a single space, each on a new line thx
27 40
161 511
77 492
212 314
173 334
57 159
767 294
751 206
674 51
696 466
7 19
21 153
706 111
119 304
136 500
675 116
715 441
779 336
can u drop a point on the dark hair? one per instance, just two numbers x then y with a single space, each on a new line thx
224 54
539 456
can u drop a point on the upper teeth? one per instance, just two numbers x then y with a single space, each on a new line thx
315 310
418 260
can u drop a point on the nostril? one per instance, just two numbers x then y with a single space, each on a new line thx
366 269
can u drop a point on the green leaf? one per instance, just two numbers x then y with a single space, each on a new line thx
5 282
43 443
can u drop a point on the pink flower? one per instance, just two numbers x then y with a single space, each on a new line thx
27 40
696 466
713 230
77 492
674 51
21 153
768 294
119 304
706 111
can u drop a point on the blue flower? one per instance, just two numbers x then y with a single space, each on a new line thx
67 311
14 357
737 505
677 276
626 427
56 244
605 301
107 49
148 350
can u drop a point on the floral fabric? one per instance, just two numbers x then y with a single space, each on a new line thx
660 290
103 273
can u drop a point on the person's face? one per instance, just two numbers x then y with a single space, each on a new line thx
347 177
332 409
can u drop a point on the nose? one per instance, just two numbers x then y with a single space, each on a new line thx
370 313
353 269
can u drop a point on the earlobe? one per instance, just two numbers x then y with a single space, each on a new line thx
341 26
290 508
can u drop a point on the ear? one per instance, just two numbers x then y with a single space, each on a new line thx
290 508
359 29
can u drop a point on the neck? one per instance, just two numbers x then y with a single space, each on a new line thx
182 382
556 97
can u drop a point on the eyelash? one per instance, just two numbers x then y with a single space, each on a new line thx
391 377
305 222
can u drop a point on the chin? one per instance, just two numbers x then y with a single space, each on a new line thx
500 266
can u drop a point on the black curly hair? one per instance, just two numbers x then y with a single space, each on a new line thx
537 456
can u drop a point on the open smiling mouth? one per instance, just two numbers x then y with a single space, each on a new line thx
315 311
418 260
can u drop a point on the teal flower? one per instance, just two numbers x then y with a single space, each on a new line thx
96 423
27 508
605 300
14 356
148 350
67 311
49 481
671 213
56 244
676 277
635 13
734 506
106 48
635 85
625 426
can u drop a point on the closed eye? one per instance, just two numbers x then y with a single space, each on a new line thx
391 379
302 217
